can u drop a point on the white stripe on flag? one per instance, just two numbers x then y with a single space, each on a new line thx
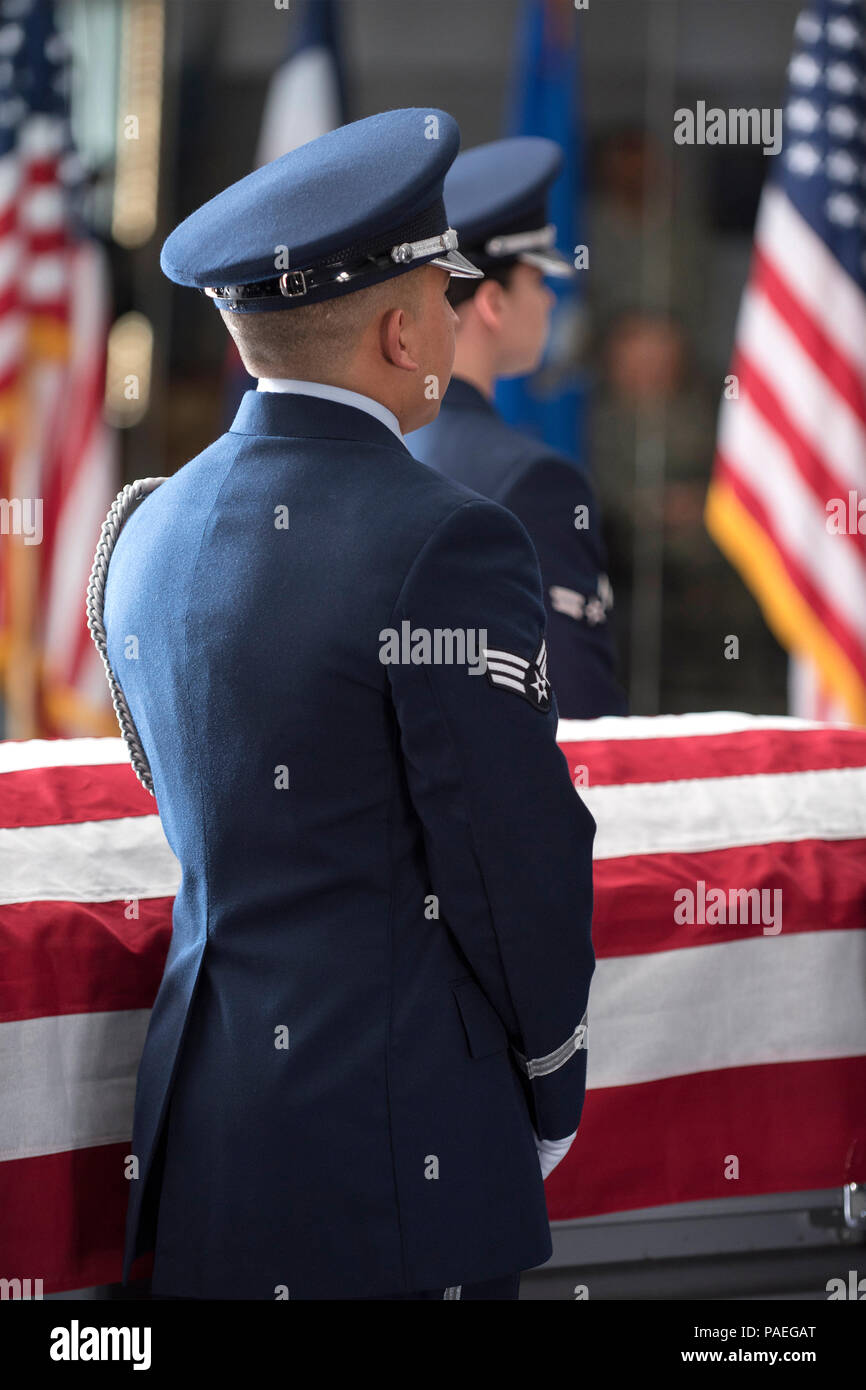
736 1004
814 274
111 860
723 812
88 862
743 1003
26 754
817 411
69 1081
610 726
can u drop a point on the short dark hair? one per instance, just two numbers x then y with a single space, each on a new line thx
315 339
461 291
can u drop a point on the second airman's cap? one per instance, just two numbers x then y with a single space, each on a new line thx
354 207
496 197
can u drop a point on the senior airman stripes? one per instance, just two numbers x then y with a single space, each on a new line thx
508 671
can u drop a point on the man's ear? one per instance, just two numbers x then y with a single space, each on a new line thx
489 303
394 339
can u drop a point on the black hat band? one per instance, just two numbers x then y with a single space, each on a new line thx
411 244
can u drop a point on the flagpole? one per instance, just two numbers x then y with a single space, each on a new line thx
651 421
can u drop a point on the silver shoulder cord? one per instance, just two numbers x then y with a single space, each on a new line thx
122 508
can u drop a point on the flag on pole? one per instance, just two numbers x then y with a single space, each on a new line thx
545 101
306 98
787 500
307 94
58 459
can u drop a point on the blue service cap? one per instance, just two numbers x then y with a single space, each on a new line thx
496 196
354 207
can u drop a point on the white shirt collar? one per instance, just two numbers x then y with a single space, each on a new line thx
334 393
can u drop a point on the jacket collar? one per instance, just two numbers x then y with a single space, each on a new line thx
462 395
309 417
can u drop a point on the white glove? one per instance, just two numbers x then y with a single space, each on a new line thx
552 1151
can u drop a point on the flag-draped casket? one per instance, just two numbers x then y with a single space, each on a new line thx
727 1016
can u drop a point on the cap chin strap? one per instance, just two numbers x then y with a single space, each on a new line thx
511 245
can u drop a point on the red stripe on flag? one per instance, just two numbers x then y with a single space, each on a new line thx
790 1126
819 478
65 958
634 896
41 169
70 795
8 380
84 792
79 958
764 751
62 1218
38 309
831 363
47 240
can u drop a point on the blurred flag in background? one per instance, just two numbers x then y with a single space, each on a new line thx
545 101
789 477
58 462
305 99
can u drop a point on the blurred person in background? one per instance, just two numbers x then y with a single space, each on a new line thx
647 302
497 198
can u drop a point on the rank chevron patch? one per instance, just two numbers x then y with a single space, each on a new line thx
507 671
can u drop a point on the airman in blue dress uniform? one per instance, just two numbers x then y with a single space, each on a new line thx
496 198
369 1043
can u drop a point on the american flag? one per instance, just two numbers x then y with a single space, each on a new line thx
57 458
709 1040
790 470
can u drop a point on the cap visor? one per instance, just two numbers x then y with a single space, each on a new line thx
458 266
551 262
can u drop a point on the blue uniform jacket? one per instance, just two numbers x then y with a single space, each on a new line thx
381 949
552 496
